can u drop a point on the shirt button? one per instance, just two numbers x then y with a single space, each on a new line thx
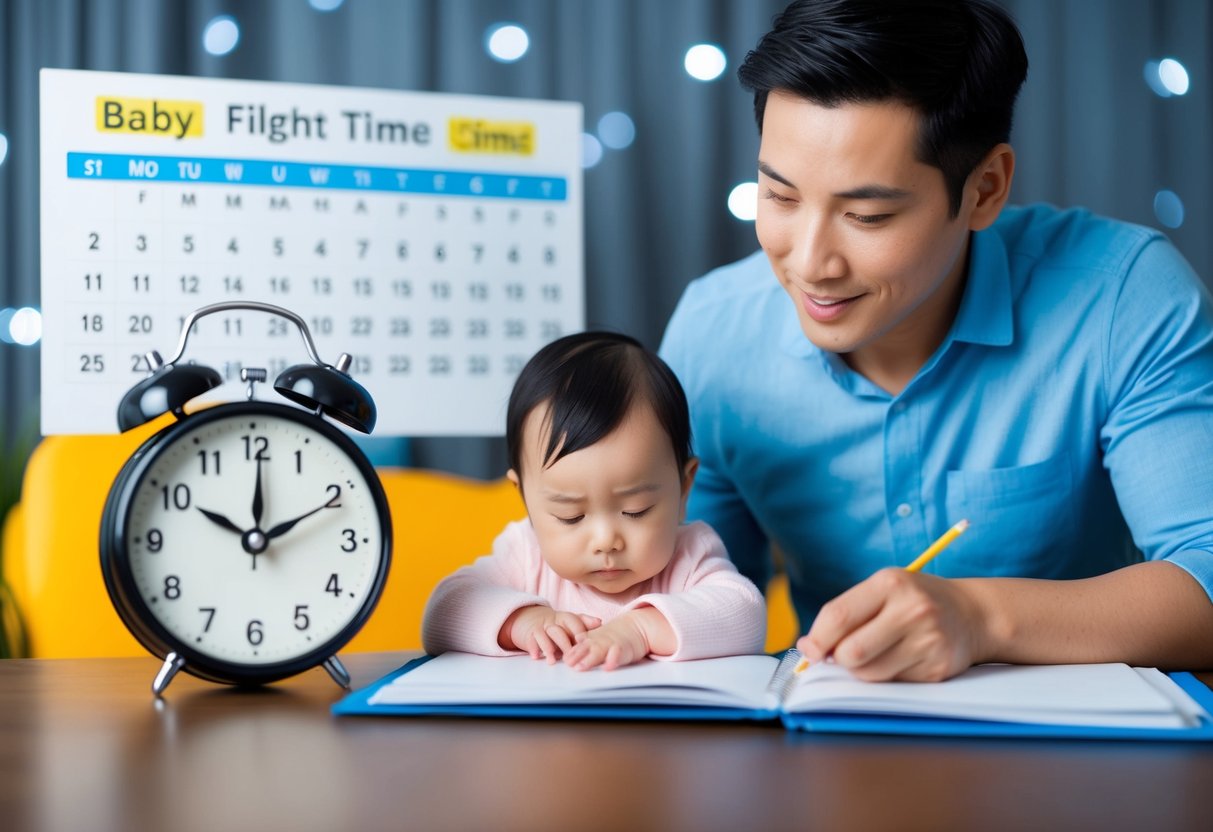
905 510
899 407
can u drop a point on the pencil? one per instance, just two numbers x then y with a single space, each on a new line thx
919 562
938 546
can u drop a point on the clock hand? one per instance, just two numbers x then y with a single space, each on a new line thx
286 526
258 505
219 519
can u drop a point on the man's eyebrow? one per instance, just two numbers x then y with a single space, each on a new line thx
771 172
873 192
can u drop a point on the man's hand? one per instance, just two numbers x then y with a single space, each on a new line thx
625 640
544 633
898 625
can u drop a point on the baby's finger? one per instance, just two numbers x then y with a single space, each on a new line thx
572 624
558 635
612 658
591 622
574 656
546 645
590 658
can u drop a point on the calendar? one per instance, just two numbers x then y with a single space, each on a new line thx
436 239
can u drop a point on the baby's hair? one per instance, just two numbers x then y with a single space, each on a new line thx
589 382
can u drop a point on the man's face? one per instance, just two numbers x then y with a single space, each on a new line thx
858 231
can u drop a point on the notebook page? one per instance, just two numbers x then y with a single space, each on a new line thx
466 679
1188 707
1091 694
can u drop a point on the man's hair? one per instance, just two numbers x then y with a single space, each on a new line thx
958 63
589 382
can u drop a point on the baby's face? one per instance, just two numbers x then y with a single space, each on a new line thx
607 515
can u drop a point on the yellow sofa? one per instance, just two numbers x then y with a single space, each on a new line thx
51 559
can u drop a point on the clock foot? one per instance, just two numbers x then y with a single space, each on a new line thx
172 663
337 670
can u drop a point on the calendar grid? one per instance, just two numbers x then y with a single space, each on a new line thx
440 272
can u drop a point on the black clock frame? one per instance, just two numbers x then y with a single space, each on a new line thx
120 581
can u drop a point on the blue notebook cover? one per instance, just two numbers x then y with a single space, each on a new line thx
357 703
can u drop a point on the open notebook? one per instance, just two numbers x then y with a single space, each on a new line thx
1098 700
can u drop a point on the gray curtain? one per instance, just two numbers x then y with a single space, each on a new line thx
1089 130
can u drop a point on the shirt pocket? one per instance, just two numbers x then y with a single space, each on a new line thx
1021 520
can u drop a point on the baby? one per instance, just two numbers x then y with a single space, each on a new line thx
603 572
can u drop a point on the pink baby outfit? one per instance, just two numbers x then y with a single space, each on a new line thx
713 610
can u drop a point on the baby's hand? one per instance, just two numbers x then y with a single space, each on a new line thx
544 632
619 643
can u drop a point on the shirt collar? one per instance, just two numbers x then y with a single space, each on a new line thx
985 315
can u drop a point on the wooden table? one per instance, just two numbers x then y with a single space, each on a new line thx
83 746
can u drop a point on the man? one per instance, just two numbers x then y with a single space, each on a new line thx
907 352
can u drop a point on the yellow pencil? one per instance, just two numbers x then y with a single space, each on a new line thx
938 546
919 562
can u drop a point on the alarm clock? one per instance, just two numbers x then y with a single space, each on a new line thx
247 541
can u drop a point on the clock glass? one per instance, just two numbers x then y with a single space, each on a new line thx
254 534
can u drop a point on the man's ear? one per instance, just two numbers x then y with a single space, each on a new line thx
989 185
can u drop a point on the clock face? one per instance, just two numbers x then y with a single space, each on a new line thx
253 534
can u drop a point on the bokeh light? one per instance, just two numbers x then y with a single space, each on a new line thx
1167 77
221 35
1169 208
506 42
1173 75
25 327
591 151
705 61
616 130
743 201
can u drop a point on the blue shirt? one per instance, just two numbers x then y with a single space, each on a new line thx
1068 415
